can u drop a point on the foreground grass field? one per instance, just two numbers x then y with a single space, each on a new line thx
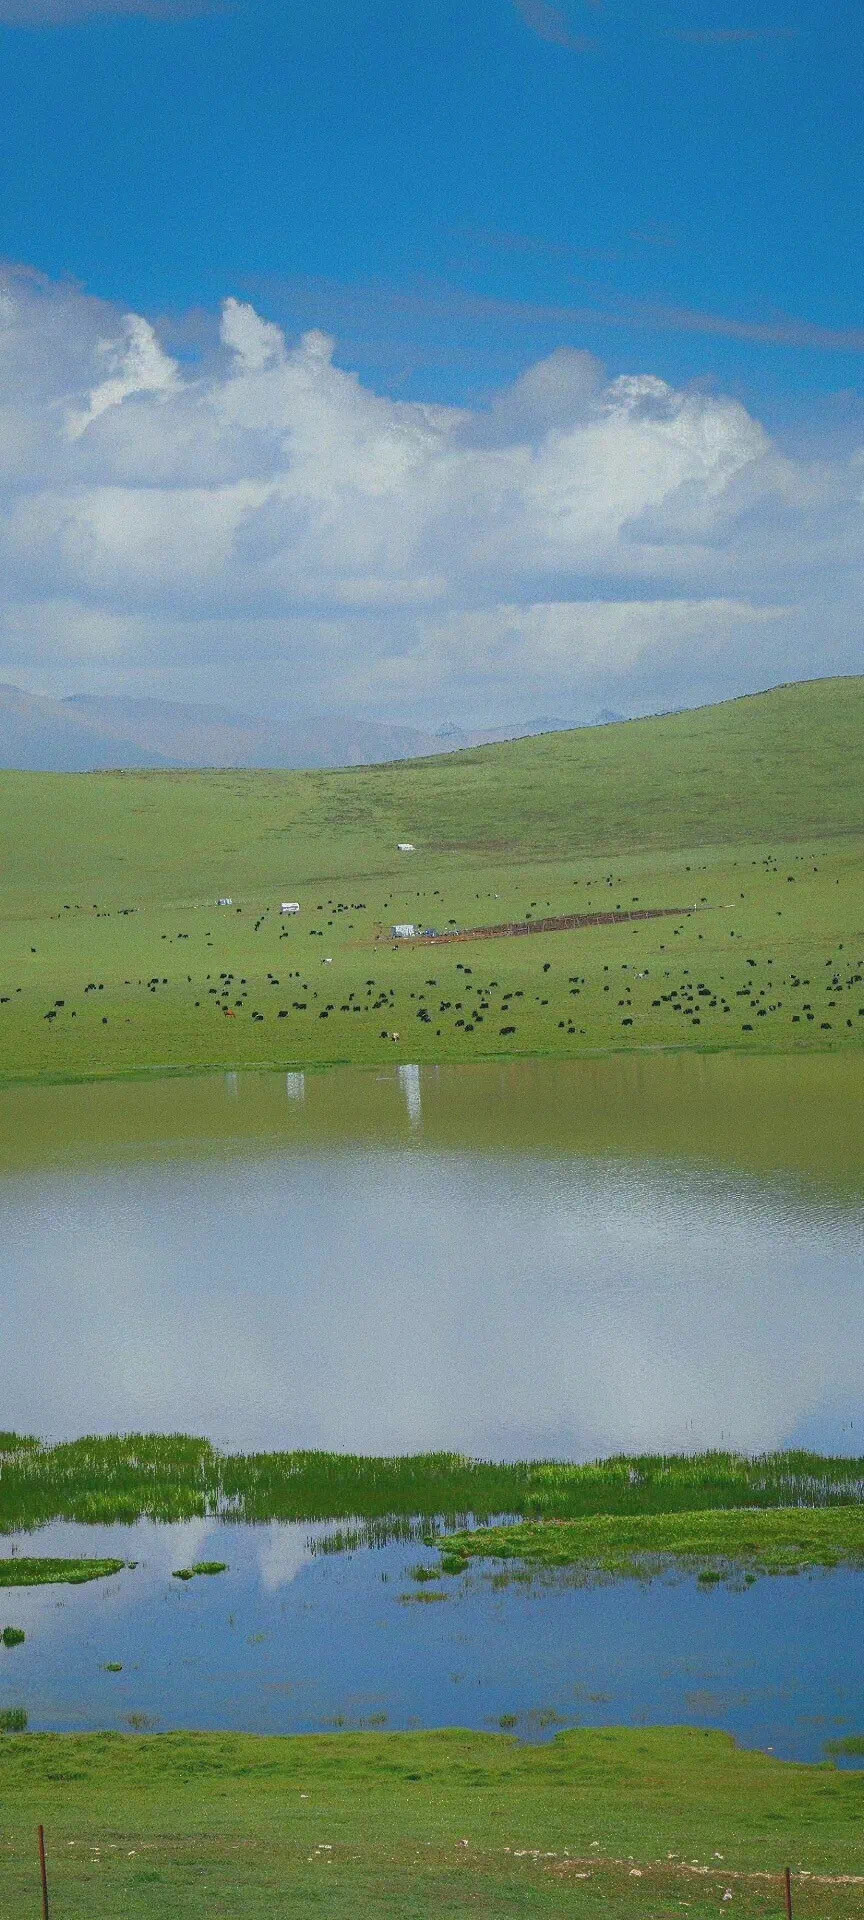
115 957
641 1823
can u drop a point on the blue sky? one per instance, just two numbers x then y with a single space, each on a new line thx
455 192
328 158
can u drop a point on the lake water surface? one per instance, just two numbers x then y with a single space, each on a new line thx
517 1260
505 1260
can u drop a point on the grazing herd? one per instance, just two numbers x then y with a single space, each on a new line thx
635 974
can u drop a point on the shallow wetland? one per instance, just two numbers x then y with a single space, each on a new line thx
513 1261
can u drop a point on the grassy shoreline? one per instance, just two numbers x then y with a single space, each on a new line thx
298 1063
617 1820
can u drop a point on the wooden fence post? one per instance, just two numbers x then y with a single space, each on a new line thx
44 1873
787 1879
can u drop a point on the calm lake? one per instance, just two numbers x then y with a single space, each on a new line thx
509 1260
505 1260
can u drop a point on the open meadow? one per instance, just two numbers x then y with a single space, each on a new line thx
637 1823
747 819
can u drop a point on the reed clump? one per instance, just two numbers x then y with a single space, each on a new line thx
100 1479
201 1566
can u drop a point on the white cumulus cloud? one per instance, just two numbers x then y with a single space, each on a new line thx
136 365
257 522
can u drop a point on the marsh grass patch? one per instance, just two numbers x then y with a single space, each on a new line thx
31 1572
200 1567
443 1500
735 1545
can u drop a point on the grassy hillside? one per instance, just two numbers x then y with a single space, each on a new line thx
777 766
115 957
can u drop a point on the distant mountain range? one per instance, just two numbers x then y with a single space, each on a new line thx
92 732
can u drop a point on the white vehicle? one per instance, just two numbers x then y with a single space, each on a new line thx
405 846
290 906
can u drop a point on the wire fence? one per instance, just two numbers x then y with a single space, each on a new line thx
786 1883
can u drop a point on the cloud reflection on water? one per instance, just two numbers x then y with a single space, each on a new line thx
400 1299
285 1642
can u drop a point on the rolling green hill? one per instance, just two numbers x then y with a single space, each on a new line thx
783 766
114 955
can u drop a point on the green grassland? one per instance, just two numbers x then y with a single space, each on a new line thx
98 1480
642 1823
715 1543
115 958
